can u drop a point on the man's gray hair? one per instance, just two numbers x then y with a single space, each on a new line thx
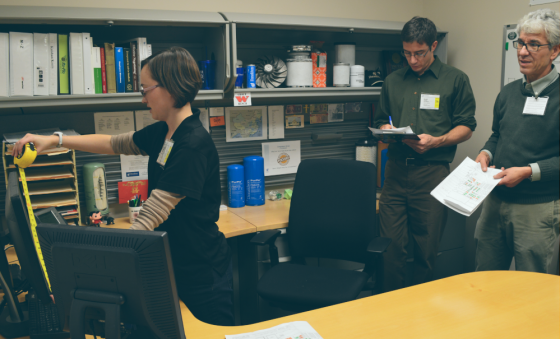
542 20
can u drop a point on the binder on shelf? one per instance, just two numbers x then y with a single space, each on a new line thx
141 46
96 65
128 80
88 69
53 64
119 69
41 62
21 64
63 65
103 70
134 55
110 67
4 64
76 64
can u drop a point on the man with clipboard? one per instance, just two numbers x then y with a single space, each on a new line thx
520 217
437 102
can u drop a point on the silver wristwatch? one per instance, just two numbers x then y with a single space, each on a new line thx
59 138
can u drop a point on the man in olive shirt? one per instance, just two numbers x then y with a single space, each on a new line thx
437 102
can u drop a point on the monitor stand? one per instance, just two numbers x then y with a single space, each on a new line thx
110 303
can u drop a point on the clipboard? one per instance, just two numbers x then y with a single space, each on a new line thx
395 134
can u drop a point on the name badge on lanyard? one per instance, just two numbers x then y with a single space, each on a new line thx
535 106
429 101
164 153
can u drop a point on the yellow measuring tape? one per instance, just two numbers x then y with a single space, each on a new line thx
26 158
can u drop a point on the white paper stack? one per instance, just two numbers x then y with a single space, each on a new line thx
295 329
21 64
76 63
466 187
53 64
41 62
4 64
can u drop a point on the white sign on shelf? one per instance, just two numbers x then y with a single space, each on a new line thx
281 157
242 99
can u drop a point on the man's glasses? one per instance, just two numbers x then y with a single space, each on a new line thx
531 47
417 55
143 90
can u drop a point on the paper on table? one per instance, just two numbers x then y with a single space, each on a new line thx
295 329
466 187
276 122
143 119
113 123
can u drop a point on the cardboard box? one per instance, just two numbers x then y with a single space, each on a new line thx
319 69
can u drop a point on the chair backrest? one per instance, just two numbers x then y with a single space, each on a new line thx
332 214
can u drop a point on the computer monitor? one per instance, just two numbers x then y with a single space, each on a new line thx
22 239
49 216
14 321
128 274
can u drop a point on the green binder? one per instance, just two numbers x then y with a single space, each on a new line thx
63 65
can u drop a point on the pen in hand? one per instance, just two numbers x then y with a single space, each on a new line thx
391 122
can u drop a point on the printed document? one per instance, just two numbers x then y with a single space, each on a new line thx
292 330
281 157
466 187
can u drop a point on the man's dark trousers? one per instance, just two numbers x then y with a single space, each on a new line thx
406 204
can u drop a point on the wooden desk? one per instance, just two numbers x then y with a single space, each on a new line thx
271 215
498 304
495 304
230 224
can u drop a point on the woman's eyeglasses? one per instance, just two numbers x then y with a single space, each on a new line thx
143 90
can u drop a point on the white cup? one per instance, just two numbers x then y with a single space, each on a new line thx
133 213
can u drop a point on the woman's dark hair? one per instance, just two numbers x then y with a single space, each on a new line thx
420 30
176 70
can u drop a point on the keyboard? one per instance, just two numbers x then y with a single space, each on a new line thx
44 320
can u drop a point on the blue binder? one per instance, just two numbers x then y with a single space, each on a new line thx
119 69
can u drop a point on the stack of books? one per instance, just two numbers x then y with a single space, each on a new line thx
35 64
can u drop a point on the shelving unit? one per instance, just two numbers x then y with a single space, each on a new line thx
256 35
203 34
51 180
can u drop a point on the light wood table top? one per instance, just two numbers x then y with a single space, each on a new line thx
494 304
229 224
271 215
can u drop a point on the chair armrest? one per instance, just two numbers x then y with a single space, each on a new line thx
265 237
268 238
378 245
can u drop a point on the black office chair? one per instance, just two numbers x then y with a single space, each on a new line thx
332 215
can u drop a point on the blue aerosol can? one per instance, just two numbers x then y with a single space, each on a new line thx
236 185
251 74
254 180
